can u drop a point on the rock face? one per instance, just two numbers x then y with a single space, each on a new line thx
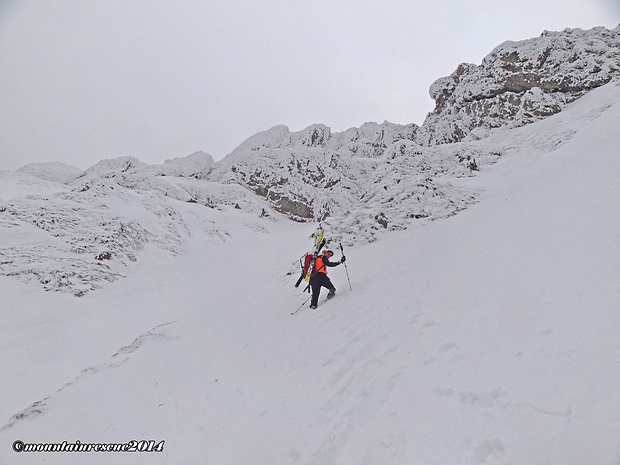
359 182
520 82
314 174
369 179
308 174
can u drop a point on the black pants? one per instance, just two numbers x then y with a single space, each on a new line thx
318 281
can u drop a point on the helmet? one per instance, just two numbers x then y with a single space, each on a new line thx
328 251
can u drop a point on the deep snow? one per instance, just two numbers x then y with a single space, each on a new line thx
487 337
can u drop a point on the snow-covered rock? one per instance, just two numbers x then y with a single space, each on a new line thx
85 230
305 182
315 174
520 82
360 182
411 184
75 240
191 166
367 179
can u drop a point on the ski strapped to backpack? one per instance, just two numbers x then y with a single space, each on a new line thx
307 261
307 264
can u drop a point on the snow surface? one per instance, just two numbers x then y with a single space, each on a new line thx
490 336
51 171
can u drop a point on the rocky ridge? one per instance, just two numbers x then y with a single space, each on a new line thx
519 83
315 174
87 227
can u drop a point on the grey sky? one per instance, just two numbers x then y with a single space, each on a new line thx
85 80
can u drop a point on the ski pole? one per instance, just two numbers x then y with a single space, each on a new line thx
304 303
345 267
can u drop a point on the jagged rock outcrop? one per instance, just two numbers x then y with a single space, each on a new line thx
371 178
310 174
314 173
520 82
368 141
292 171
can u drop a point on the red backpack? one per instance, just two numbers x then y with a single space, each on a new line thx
306 263
307 260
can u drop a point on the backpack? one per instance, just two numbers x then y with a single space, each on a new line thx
305 261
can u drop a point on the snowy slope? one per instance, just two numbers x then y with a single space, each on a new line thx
52 171
486 337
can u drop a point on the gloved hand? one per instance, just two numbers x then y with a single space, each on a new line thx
343 259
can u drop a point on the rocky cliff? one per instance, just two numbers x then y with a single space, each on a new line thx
361 175
520 82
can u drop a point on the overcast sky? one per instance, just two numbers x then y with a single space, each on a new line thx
82 81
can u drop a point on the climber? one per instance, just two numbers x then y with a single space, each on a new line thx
320 279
